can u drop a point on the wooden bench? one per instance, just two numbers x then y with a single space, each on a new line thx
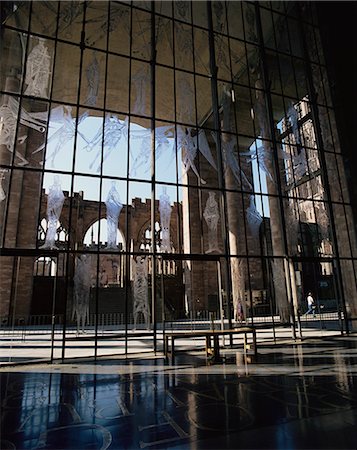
210 335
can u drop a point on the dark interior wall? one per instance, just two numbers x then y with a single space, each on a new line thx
337 22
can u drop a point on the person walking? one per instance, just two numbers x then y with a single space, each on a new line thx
310 304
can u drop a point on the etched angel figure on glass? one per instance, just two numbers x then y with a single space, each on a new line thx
55 200
211 216
8 121
64 134
114 131
81 291
113 211
38 70
140 290
165 215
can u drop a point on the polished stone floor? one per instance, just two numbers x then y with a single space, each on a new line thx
292 396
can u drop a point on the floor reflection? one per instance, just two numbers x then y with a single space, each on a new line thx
301 396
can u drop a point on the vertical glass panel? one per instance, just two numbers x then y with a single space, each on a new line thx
66 76
291 79
185 98
192 220
254 218
250 22
39 67
342 230
18 16
268 28
53 228
115 150
81 308
203 99
351 230
165 99
139 217
326 134
278 108
141 34
111 298
312 50
349 280
294 36
238 61
259 298
167 212
86 194
182 11
23 209
164 41
140 149
276 76
324 228
113 217
163 7
97 24
201 52
60 137
207 158
199 12
212 222
222 57
300 77
333 162
70 21
219 17
44 18
253 63
183 46
93 79
243 110
4 193
90 142
31 137
236 223
165 154
119 28
117 90
235 19
140 100
13 46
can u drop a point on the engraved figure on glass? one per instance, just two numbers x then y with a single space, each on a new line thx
38 70
55 200
140 290
81 291
165 215
140 81
211 216
113 211
93 77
